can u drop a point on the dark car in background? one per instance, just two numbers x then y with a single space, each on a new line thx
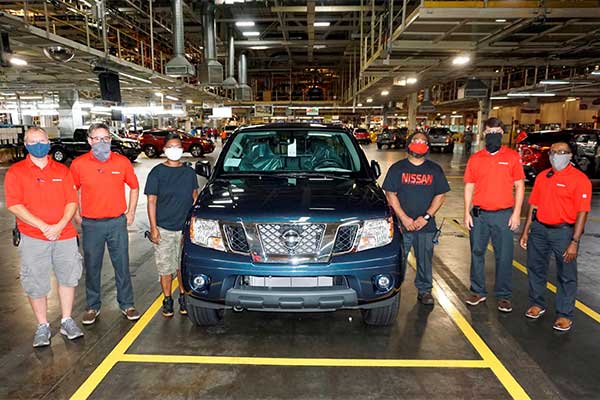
153 141
584 143
65 148
362 135
291 219
392 137
441 139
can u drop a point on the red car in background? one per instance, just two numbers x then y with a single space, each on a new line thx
362 135
153 141
584 143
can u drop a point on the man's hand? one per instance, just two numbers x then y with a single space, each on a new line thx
514 222
408 223
571 253
468 221
130 218
523 240
77 219
52 232
420 223
154 236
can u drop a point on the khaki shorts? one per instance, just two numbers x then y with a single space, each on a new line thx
168 252
38 257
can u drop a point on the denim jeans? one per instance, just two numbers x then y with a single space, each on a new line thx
98 234
422 244
542 244
492 225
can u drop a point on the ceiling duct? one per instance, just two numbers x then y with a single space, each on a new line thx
243 92
211 70
179 65
475 89
230 82
426 105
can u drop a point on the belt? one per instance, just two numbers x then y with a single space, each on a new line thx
556 226
102 219
493 211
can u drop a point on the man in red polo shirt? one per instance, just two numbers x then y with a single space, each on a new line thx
492 211
40 193
559 205
101 176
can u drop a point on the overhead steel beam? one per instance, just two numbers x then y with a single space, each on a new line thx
324 9
507 13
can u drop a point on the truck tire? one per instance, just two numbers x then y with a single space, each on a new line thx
59 155
150 151
205 316
382 316
196 151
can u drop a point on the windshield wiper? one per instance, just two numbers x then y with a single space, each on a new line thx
312 175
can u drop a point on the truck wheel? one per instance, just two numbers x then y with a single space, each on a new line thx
150 151
205 316
378 146
58 155
196 151
382 316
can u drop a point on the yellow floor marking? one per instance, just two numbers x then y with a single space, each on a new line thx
504 376
579 305
304 362
86 389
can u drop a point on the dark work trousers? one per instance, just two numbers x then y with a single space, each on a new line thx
543 243
492 225
422 244
98 234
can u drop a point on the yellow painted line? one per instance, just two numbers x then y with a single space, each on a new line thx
489 358
86 389
578 304
594 219
303 362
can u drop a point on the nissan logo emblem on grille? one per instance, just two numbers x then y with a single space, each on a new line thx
291 239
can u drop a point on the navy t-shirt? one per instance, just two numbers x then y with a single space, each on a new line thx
173 187
416 186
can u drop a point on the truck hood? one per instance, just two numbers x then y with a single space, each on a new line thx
286 199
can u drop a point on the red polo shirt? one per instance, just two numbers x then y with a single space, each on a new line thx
494 176
102 184
44 192
560 197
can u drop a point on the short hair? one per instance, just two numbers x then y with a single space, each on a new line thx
34 129
96 126
410 138
173 136
493 123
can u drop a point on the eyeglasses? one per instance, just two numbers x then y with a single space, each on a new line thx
419 141
493 131
559 152
103 139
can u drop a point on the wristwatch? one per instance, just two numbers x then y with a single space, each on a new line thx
426 217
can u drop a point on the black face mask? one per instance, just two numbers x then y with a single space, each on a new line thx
493 141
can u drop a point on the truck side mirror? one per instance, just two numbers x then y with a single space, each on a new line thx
376 169
203 168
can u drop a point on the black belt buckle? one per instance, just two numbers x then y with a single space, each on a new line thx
476 211
16 237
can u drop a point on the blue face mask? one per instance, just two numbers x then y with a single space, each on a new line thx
38 150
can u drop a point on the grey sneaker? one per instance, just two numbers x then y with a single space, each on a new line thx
70 329
42 336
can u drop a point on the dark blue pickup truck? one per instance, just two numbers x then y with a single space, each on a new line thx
292 220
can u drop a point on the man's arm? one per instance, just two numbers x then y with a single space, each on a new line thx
21 212
515 218
51 232
394 202
570 253
436 203
195 195
133 200
151 208
469 189
525 234
54 231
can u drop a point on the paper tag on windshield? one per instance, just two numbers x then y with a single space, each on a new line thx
233 162
291 149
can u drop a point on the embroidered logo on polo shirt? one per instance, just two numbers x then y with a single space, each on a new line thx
116 172
561 185
584 196
502 162
56 179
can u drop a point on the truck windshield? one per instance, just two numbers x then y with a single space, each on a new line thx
291 151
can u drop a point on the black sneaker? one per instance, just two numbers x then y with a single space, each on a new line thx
426 298
182 305
167 308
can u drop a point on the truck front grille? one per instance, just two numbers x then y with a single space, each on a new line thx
291 239
236 237
344 240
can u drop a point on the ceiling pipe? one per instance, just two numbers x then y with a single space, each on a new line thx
179 65
230 82
243 91
211 71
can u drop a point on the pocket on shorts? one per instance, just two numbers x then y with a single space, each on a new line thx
69 269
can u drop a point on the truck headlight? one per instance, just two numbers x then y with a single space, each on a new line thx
206 233
376 233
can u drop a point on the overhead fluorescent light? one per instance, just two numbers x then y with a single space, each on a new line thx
496 107
189 101
369 100
553 82
158 94
19 62
596 72
259 47
534 94
244 23
453 112
319 46
359 105
571 99
385 92
500 20
171 98
461 60
251 33
411 81
322 24
499 98
31 97
137 78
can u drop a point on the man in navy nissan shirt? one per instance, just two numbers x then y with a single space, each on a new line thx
415 188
